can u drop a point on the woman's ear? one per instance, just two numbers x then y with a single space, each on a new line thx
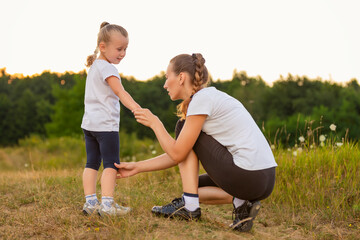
182 78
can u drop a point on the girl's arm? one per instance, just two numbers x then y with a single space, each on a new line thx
157 163
176 149
124 96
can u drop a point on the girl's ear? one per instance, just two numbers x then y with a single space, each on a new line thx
102 46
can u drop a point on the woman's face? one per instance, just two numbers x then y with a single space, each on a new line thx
172 84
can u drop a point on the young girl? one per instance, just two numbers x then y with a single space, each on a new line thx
101 118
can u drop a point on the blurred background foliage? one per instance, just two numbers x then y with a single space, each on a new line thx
52 104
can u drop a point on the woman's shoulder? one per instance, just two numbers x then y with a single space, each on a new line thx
210 91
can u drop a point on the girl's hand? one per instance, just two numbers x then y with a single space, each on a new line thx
145 117
126 169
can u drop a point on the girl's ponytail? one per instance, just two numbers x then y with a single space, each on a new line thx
91 58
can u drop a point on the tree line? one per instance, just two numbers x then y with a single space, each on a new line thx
52 105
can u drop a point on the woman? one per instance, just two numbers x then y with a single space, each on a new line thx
216 129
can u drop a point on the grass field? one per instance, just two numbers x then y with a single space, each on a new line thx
316 196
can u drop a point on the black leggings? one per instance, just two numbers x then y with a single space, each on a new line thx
222 172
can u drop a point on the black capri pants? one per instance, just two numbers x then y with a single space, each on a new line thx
223 173
101 145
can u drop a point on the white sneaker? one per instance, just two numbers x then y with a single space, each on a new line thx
114 210
89 209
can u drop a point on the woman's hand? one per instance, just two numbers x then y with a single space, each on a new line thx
145 117
126 169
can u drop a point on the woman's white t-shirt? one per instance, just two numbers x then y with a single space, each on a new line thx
231 125
102 107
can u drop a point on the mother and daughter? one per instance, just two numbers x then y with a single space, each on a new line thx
214 128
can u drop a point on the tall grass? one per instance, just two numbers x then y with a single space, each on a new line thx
316 195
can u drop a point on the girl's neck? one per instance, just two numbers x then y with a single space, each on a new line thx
102 57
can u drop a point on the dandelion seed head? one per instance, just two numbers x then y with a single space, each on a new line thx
322 138
322 144
295 153
299 150
339 144
153 152
302 139
272 146
332 127
26 165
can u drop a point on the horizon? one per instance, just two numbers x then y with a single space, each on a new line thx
316 39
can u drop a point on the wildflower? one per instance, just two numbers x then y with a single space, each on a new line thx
296 145
153 151
272 146
322 138
295 153
333 127
350 225
96 229
339 144
301 139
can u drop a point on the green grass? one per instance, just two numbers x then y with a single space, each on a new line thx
316 196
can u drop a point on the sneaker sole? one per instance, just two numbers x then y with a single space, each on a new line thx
104 214
87 212
248 222
175 214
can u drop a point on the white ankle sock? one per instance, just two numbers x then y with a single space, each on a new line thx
107 202
191 201
91 199
238 202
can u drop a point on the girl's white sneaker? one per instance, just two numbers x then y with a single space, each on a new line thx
114 210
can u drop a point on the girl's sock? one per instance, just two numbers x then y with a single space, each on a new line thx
107 202
91 199
191 201
238 202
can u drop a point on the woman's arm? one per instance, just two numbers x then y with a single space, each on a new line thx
157 163
176 149
124 96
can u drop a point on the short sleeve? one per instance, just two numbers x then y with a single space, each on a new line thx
108 71
200 104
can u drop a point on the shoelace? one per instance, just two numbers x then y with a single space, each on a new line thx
174 203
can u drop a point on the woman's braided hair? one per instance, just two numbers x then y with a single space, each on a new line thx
104 36
194 65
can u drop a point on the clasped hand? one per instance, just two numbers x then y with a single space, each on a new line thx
126 169
145 117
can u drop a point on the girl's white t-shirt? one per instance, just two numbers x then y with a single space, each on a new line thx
231 125
102 107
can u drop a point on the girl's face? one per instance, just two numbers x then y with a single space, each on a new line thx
172 84
115 50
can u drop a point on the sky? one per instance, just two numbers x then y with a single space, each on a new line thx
267 38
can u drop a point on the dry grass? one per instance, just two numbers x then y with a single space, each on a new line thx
316 196
47 204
